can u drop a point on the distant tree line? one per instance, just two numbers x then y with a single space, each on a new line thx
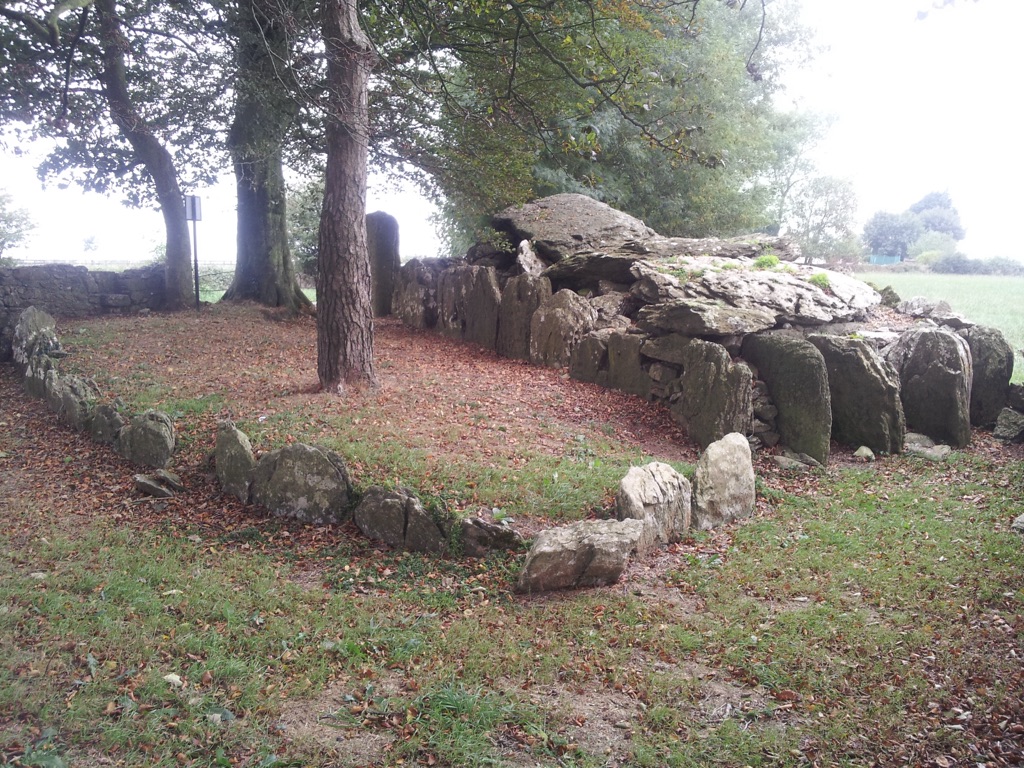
927 235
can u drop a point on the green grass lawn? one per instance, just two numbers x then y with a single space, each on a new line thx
986 299
213 296
852 624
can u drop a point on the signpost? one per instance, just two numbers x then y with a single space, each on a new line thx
194 213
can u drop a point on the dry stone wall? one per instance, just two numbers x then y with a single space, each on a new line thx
731 335
67 291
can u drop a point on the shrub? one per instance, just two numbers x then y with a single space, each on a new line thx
768 261
959 264
821 280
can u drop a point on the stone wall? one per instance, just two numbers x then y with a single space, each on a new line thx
67 291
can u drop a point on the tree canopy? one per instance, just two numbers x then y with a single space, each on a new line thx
15 225
661 108
931 225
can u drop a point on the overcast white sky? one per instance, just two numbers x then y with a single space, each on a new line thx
921 105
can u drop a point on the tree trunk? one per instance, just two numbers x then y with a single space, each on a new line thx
264 107
344 321
154 156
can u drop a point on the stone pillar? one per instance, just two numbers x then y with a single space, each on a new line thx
382 243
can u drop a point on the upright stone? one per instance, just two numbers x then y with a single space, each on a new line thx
724 483
234 460
79 398
521 297
1010 426
37 371
468 298
625 371
382 245
589 360
934 366
415 297
35 334
865 394
106 423
713 396
303 482
992 367
558 326
148 440
398 519
797 379
659 497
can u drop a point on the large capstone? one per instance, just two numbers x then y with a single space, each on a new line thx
934 366
712 397
865 394
724 483
703 317
591 553
303 482
561 225
797 380
658 496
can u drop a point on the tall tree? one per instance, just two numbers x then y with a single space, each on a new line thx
891 234
15 225
344 315
150 151
898 234
265 105
661 109
820 219
98 78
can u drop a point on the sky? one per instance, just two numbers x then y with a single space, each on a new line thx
923 98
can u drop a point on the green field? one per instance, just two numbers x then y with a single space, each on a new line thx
986 299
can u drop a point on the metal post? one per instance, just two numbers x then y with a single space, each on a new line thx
193 213
195 257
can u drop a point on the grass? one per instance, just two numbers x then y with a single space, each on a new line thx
854 623
986 299
213 295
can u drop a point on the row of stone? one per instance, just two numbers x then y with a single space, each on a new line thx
781 355
306 483
147 439
812 388
654 505
311 484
